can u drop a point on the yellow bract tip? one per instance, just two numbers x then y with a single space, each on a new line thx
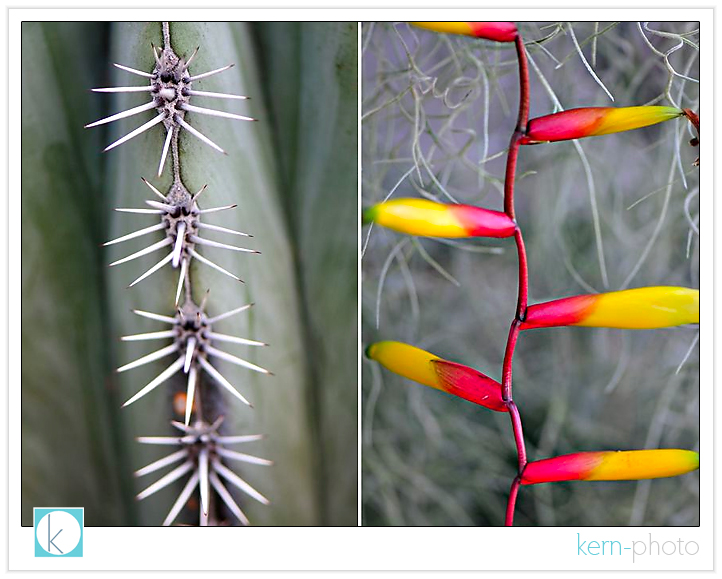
644 308
405 360
417 217
644 464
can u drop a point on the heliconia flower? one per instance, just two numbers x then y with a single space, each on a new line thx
426 218
425 368
634 309
498 31
611 465
592 121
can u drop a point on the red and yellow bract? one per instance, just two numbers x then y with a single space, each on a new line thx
592 121
430 370
423 217
611 465
633 309
498 31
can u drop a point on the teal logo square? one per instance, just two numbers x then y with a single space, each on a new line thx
58 532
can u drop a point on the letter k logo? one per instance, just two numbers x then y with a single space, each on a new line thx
50 541
58 532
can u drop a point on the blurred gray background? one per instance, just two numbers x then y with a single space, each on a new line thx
609 213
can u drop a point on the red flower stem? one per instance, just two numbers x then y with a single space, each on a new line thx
523 291
518 434
510 174
508 356
523 297
523 85
521 123
511 505
693 118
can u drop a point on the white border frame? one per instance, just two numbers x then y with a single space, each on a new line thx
423 549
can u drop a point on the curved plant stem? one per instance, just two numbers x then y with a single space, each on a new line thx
509 521
509 176
523 290
523 84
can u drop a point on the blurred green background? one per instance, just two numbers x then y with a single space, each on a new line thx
612 212
294 178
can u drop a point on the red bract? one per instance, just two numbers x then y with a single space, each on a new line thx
432 219
641 308
611 465
497 31
426 368
592 121
469 384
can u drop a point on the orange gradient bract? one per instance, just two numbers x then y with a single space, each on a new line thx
430 370
633 309
427 218
593 121
497 31
611 465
